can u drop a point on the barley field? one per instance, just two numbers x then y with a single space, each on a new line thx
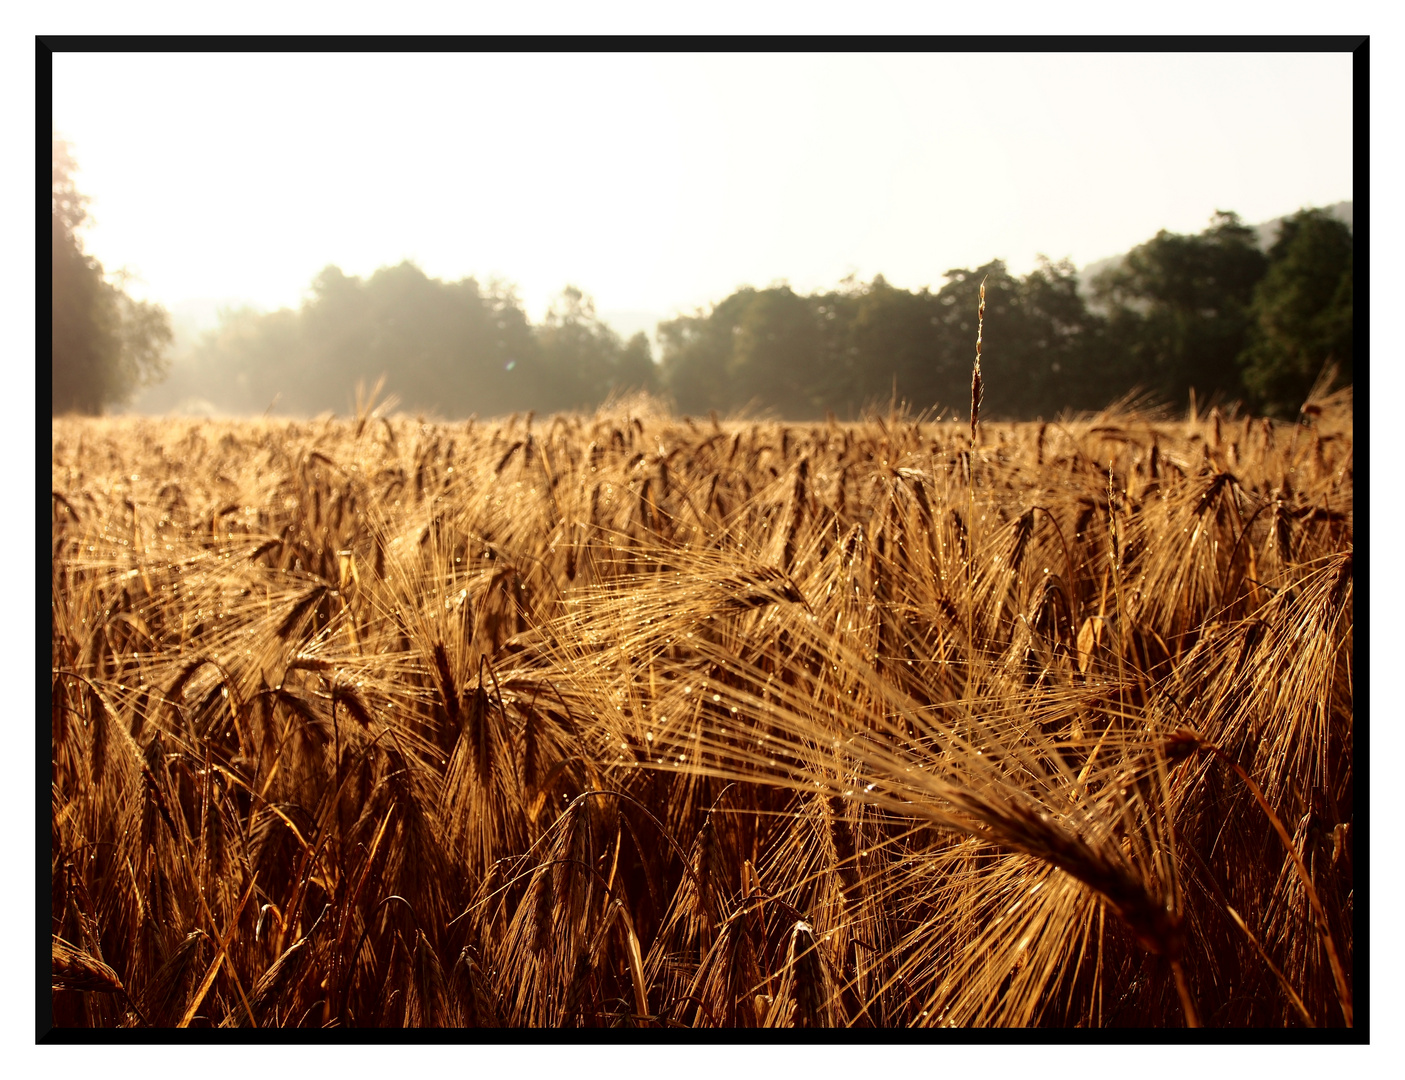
640 721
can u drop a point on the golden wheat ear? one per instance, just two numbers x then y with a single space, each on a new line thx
72 968
976 391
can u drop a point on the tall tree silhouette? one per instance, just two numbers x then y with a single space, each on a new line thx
1302 312
105 344
1180 308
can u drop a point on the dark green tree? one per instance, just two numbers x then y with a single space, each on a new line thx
877 341
106 345
696 352
958 304
584 359
1302 313
776 361
1055 352
437 342
1178 310
864 344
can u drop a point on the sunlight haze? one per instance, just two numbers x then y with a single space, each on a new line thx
660 183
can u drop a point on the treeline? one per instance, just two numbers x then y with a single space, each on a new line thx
1210 312
447 348
106 345
867 343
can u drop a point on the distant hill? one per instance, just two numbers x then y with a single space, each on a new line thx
1267 232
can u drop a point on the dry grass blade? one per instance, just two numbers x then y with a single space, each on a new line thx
200 991
1277 973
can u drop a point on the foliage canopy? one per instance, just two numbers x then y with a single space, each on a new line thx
1210 314
1301 312
106 344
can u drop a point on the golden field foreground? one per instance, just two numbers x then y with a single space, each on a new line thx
630 720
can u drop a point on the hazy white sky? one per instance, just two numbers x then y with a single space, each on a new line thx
662 182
